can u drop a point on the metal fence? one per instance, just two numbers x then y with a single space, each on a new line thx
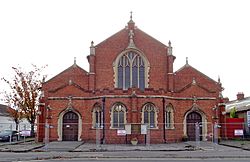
9 132
142 134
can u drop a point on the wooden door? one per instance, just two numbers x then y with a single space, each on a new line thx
70 126
192 119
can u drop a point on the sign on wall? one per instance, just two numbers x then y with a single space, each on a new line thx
144 128
248 118
128 128
121 132
238 132
135 128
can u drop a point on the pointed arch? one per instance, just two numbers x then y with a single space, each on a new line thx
97 116
118 115
169 116
149 115
195 109
60 123
131 69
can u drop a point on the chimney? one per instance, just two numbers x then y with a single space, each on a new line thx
240 96
226 99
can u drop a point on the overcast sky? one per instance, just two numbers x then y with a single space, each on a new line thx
213 34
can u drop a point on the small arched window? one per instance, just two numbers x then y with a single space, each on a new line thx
149 114
97 116
169 117
131 71
118 116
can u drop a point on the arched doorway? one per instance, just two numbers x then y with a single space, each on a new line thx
192 119
70 127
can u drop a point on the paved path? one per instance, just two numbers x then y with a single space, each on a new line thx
245 145
56 150
8 156
65 146
69 146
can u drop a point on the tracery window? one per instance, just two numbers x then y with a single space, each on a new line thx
169 116
118 116
149 115
97 116
131 71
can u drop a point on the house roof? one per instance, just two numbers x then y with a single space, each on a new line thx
240 105
3 110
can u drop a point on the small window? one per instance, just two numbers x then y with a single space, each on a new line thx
118 115
97 116
149 115
169 117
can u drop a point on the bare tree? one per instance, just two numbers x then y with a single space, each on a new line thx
25 92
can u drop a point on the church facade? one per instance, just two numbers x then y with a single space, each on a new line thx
130 91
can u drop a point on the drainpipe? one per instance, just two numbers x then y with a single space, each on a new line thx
164 122
103 121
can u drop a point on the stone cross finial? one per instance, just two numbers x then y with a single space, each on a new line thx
170 52
219 79
92 48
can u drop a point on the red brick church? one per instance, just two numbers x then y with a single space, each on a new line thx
130 91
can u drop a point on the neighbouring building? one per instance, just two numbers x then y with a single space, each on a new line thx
242 107
7 123
131 85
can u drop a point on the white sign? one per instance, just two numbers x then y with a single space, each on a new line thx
248 118
121 132
128 128
144 128
25 133
238 132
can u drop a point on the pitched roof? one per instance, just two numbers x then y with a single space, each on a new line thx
72 66
189 66
240 105
125 30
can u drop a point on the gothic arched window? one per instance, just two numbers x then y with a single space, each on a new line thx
118 116
149 115
131 71
169 116
97 116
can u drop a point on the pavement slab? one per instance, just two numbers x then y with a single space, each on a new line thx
60 146
21 147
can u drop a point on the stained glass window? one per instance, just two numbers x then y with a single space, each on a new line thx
131 71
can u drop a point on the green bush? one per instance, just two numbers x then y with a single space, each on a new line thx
233 113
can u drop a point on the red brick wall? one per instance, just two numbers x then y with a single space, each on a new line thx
108 50
101 84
